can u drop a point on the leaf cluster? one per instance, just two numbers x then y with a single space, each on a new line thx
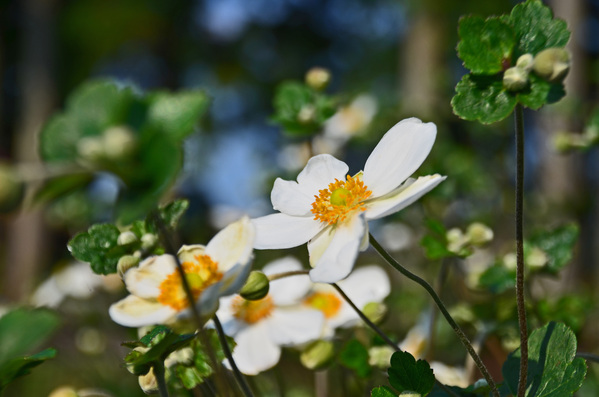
407 374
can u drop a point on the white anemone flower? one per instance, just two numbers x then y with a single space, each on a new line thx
218 269
330 209
260 328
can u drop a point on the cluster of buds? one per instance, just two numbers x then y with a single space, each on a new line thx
146 243
476 235
114 144
567 141
551 64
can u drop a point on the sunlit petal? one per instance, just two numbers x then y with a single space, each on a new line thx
136 312
319 172
278 231
233 245
144 281
255 351
292 327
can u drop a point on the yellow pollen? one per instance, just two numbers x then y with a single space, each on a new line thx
252 311
199 274
327 302
333 204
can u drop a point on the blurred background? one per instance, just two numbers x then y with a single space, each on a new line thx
392 58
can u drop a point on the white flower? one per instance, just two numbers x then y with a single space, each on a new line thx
218 269
329 209
260 328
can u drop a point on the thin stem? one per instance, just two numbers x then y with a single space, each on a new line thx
160 379
277 276
456 328
589 357
238 375
519 124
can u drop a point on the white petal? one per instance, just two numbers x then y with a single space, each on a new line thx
288 290
144 281
405 195
366 284
292 327
283 231
398 154
334 251
233 245
320 171
255 351
234 279
289 198
136 312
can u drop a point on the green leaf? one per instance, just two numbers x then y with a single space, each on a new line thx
355 356
540 92
176 114
22 366
408 374
434 248
482 98
558 245
98 246
498 279
172 212
536 29
553 369
382 391
485 45
60 186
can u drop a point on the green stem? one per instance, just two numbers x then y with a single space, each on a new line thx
277 276
456 328
519 124
238 375
160 379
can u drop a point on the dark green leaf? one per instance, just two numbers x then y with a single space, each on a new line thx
98 246
498 279
558 245
553 369
540 92
536 29
355 356
176 114
482 98
485 45
408 374
572 310
62 185
435 249
22 366
382 391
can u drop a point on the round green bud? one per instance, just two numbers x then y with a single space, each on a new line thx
375 311
552 64
479 234
256 287
318 355
148 241
125 263
306 114
525 62
380 356
11 189
318 78
515 79
126 238
90 148
119 142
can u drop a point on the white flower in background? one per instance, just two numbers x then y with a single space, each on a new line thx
353 119
329 209
260 328
157 296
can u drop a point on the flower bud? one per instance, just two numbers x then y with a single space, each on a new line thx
148 382
256 287
525 62
318 355
11 189
138 369
456 240
375 311
562 142
119 142
187 253
552 64
318 78
479 234
125 263
148 241
90 148
306 114
126 238
380 356
408 393
64 391
515 79
536 258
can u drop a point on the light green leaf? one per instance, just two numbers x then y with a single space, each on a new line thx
553 370
485 45
408 374
177 113
482 98
98 246
22 366
355 356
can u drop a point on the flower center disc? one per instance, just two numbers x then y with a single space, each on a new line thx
333 204
199 275
327 302
252 311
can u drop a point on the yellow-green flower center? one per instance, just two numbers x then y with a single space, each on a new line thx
338 196
252 311
327 302
333 204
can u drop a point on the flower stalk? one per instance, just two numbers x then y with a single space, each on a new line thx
159 374
456 328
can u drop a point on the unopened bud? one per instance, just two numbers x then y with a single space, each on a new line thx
125 263
138 369
148 382
409 393
380 356
515 79
536 258
127 238
318 78
375 311
64 391
318 355
456 240
479 234
525 62
188 253
90 148
510 261
11 189
562 142
306 114
256 286
552 64
119 142
148 241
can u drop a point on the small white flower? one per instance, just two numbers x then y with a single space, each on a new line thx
329 209
218 269
260 328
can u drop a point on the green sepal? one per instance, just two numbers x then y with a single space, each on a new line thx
483 98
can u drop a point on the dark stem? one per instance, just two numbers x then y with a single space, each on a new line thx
223 342
160 379
588 356
277 276
519 124
456 328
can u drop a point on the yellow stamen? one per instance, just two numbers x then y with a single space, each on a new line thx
199 275
252 311
333 204
327 302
